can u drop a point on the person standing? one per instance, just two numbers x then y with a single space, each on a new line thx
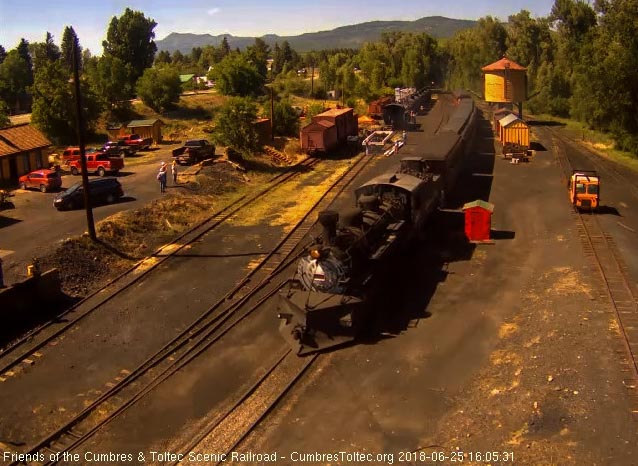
174 171
161 177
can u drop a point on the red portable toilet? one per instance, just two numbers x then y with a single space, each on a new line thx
478 220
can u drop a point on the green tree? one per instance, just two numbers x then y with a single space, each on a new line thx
471 49
44 51
234 125
286 121
15 76
4 115
605 91
130 38
54 108
312 111
68 38
258 55
163 57
111 80
224 49
3 54
159 88
236 75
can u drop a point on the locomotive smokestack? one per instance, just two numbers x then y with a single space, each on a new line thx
328 220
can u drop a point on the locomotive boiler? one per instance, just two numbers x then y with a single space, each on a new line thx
324 304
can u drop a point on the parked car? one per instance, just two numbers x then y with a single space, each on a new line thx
44 180
194 151
118 149
137 142
99 163
102 190
71 154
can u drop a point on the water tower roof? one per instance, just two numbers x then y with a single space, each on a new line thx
504 64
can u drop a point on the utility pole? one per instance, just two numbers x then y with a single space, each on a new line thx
80 128
272 114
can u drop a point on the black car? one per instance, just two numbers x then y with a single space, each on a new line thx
117 149
103 190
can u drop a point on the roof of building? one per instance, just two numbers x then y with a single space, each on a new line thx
504 64
508 120
479 203
335 112
140 123
322 123
184 78
21 138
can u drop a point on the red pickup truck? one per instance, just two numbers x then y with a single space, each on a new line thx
136 141
98 163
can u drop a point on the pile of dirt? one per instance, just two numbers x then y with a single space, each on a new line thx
84 265
221 177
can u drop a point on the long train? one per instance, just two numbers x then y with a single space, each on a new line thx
324 304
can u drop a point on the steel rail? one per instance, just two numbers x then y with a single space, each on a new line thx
598 247
74 438
206 225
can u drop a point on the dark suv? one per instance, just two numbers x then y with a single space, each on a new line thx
117 149
103 190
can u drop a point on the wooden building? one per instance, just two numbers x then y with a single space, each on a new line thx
319 135
513 130
262 126
22 150
144 128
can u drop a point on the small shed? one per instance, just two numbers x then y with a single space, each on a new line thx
116 131
262 126
320 135
497 116
146 129
513 130
478 220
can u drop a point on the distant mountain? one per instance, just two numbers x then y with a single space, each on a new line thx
342 37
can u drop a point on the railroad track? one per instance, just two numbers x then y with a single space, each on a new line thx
229 429
26 349
247 296
601 165
616 285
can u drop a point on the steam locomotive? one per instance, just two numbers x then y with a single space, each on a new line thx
324 304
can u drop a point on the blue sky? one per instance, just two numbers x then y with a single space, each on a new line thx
32 18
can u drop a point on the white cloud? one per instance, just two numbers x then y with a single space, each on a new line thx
213 11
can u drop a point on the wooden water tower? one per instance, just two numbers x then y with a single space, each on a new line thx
506 82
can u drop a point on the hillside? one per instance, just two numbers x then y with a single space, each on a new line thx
352 36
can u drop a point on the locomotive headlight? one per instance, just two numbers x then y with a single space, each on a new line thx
315 253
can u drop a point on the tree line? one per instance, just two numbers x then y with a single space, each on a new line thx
581 60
